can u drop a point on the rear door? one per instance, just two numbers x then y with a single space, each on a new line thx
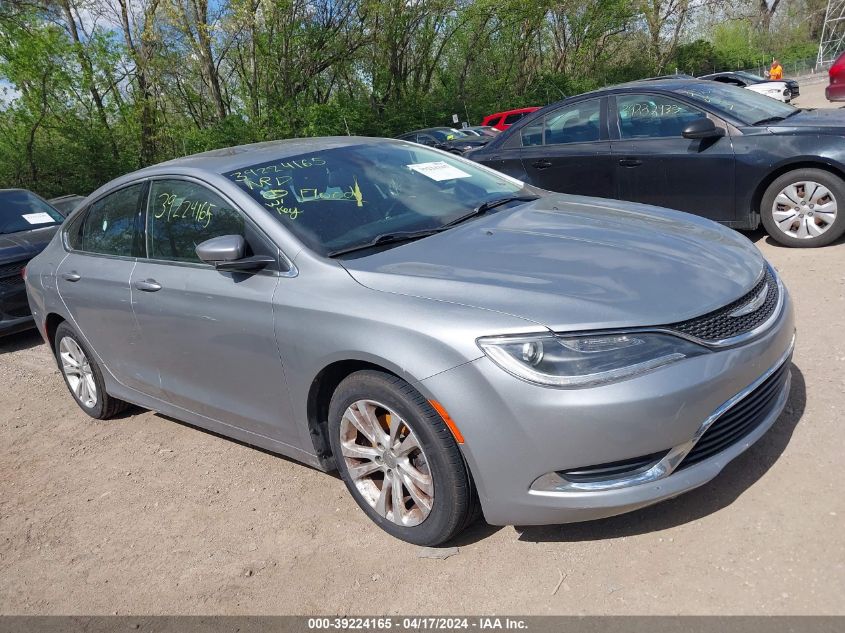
655 164
568 150
210 332
93 283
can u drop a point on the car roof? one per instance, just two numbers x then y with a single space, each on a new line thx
220 161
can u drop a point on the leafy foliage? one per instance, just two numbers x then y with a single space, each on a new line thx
91 89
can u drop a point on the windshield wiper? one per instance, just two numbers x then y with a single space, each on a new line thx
385 238
484 207
408 236
769 119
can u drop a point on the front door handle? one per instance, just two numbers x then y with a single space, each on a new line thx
541 164
71 276
630 162
148 285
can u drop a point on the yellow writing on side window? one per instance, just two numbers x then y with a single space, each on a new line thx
173 208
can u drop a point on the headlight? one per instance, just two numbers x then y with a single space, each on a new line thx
584 361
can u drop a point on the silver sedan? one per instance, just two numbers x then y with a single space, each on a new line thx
448 338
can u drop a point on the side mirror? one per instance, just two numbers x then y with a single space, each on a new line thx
227 253
702 128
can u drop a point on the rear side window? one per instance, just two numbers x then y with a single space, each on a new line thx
182 215
513 118
110 226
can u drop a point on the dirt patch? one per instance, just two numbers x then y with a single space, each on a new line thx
146 515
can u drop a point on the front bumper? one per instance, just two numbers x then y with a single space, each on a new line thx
518 434
14 308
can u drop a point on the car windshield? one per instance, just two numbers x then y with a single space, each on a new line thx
746 105
446 134
23 211
339 198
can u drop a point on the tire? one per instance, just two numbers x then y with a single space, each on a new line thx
808 227
99 405
452 504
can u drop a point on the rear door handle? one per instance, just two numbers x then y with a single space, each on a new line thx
71 276
148 285
630 162
541 164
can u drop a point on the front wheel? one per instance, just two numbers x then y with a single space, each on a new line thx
801 208
398 459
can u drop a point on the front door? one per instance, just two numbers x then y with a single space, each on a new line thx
656 165
211 332
93 282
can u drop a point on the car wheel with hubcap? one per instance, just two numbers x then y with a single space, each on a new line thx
83 376
805 208
399 460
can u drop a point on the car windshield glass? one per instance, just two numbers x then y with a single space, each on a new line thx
23 211
339 198
446 134
746 105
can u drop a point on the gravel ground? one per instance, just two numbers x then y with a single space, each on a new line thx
145 515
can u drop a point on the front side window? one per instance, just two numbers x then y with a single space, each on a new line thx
342 197
183 214
653 116
576 123
110 226
21 210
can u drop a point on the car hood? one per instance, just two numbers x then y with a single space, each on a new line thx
573 263
26 244
830 120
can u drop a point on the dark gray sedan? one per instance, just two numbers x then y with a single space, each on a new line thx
27 224
718 151
444 335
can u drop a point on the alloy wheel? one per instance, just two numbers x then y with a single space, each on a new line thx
804 209
77 371
386 463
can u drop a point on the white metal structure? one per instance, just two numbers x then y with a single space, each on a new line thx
833 33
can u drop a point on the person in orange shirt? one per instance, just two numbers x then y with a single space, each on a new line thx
776 71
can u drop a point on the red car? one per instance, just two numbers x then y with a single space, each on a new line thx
503 120
835 90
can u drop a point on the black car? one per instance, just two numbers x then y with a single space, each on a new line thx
66 204
446 138
718 151
742 79
27 224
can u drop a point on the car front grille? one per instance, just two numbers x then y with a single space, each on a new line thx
719 325
740 420
11 274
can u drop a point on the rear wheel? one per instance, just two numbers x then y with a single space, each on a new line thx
802 208
398 459
83 376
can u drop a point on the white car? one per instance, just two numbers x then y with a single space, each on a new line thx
776 89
